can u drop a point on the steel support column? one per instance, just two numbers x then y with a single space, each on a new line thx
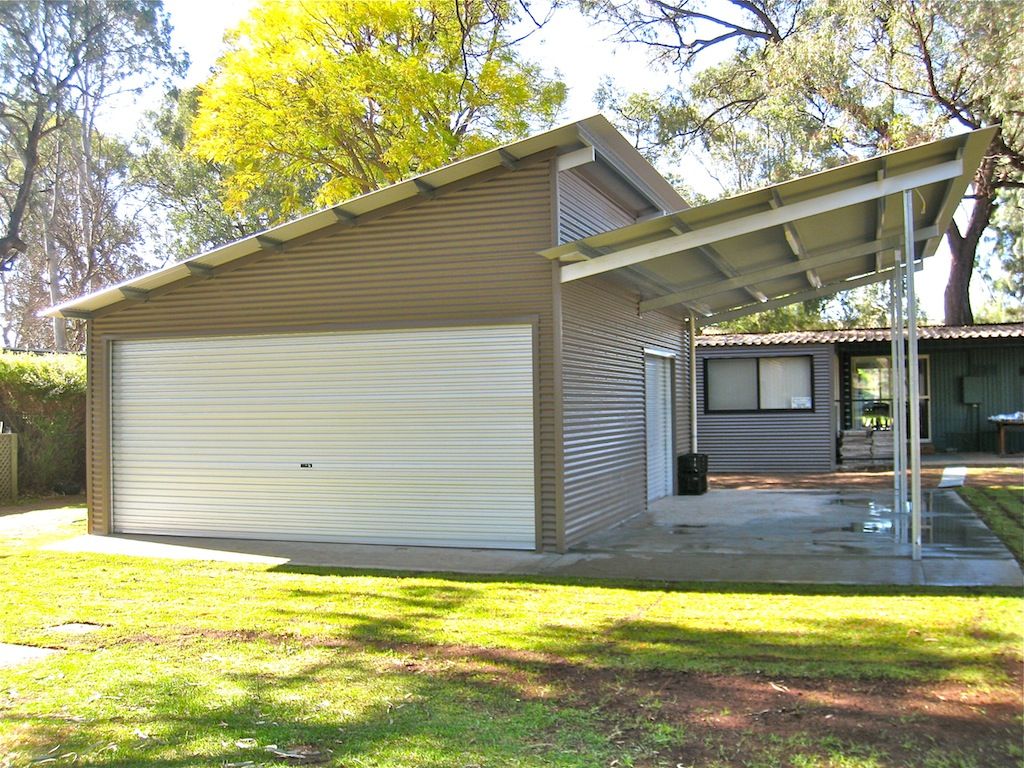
913 379
692 345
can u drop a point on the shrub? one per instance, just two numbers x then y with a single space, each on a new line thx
42 399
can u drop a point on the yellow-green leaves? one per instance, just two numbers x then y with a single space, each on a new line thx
323 101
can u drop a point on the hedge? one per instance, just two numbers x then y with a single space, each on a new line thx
42 399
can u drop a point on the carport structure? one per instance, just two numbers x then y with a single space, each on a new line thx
864 223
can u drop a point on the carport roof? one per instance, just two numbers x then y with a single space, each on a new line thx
806 238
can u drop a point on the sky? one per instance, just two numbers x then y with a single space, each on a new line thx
582 52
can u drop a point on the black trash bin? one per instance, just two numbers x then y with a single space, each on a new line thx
692 474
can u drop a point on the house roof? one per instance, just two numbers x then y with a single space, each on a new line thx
604 149
849 335
806 238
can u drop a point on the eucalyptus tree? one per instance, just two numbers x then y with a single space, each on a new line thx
773 88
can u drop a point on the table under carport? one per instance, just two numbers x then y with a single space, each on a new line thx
863 223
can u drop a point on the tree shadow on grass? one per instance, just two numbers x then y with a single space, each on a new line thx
575 698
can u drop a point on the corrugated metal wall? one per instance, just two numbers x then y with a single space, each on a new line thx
604 421
467 257
790 441
998 363
602 352
584 210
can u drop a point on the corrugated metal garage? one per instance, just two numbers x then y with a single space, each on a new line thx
213 382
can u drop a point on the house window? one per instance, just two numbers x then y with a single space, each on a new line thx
871 394
758 384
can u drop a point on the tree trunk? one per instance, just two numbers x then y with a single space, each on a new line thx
11 243
60 330
964 249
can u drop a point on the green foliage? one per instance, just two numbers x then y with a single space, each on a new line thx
322 101
190 190
42 399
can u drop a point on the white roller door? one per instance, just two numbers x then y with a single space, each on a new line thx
658 391
399 437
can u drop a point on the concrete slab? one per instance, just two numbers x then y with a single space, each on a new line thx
398 558
737 536
13 655
805 537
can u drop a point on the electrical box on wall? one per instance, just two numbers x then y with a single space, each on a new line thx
971 389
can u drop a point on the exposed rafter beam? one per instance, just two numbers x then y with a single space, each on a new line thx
783 270
199 270
426 190
269 243
646 279
717 260
762 220
880 214
947 201
816 293
509 160
796 245
345 217
134 294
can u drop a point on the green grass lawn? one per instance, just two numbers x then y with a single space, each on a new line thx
211 663
1002 509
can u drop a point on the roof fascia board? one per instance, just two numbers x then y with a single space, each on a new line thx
763 220
811 261
576 158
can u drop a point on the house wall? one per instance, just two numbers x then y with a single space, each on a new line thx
602 352
999 363
770 441
466 257
605 449
585 210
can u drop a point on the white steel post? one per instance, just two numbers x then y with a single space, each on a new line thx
913 379
899 405
693 384
895 337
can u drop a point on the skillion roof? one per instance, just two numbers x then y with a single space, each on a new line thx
592 142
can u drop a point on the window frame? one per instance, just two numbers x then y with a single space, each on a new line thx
814 400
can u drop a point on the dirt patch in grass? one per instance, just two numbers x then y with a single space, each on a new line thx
730 719
737 720
853 480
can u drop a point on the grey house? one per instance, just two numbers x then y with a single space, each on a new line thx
825 383
492 354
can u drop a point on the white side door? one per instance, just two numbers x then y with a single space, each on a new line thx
660 451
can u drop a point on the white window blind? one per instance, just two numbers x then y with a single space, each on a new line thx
785 382
732 384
